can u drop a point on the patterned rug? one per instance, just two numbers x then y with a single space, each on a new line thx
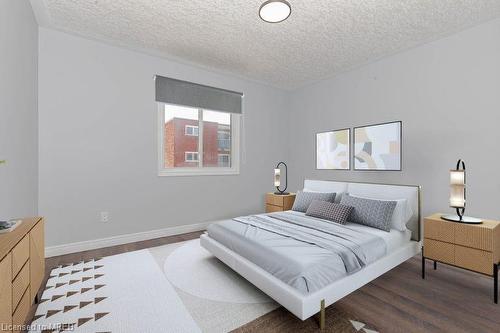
75 295
173 288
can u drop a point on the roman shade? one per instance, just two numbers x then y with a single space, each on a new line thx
178 92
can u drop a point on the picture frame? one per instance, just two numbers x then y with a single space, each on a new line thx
333 150
378 147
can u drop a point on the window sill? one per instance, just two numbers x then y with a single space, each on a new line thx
182 172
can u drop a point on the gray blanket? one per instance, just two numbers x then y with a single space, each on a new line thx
305 252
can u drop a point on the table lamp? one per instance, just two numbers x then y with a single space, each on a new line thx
458 196
277 179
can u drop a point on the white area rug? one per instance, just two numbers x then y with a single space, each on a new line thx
173 288
195 271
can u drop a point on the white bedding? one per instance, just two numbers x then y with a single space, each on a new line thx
304 266
393 239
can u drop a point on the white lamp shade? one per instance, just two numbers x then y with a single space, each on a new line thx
457 177
277 176
457 196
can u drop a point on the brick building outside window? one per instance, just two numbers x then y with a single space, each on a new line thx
181 141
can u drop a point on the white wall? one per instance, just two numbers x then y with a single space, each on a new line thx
18 110
98 140
98 144
447 93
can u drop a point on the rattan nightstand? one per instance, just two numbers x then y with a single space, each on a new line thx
472 247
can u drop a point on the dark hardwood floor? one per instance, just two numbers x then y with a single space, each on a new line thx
52 262
448 300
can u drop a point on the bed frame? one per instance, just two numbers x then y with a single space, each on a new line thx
305 305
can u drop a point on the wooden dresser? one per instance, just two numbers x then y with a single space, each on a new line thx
22 268
279 203
475 247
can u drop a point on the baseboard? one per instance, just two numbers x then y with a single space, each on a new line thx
58 250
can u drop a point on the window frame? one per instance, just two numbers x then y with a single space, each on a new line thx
225 148
234 156
193 154
193 127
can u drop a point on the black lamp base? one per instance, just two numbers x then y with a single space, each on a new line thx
464 219
281 193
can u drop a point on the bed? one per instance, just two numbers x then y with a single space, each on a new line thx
303 277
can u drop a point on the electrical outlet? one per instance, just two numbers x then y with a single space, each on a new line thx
104 217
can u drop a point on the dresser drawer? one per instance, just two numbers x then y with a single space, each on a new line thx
20 284
439 230
276 200
272 208
474 236
6 293
473 259
439 251
20 254
20 314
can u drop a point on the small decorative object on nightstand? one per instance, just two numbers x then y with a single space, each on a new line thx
457 196
277 179
279 203
475 247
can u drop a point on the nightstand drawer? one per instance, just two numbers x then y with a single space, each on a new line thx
276 200
273 208
476 237
473 259
440 251
439 230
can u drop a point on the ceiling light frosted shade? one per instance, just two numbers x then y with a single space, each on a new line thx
277 176
274 11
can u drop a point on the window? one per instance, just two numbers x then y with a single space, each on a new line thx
224 139
198 128
224 160
191 156
191 130
197 142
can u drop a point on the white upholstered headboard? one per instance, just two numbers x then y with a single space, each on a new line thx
379 191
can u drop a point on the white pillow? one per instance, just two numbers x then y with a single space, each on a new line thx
401 215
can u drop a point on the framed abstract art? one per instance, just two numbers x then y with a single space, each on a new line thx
378 147
333 150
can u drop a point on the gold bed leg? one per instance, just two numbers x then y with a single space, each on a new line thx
322 315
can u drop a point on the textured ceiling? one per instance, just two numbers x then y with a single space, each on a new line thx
319 40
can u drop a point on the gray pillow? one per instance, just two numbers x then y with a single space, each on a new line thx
370 212
329 211
304 199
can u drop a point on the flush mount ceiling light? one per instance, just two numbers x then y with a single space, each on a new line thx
275 11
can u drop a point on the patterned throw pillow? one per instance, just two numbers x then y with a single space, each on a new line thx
370 212
304 199
329 211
